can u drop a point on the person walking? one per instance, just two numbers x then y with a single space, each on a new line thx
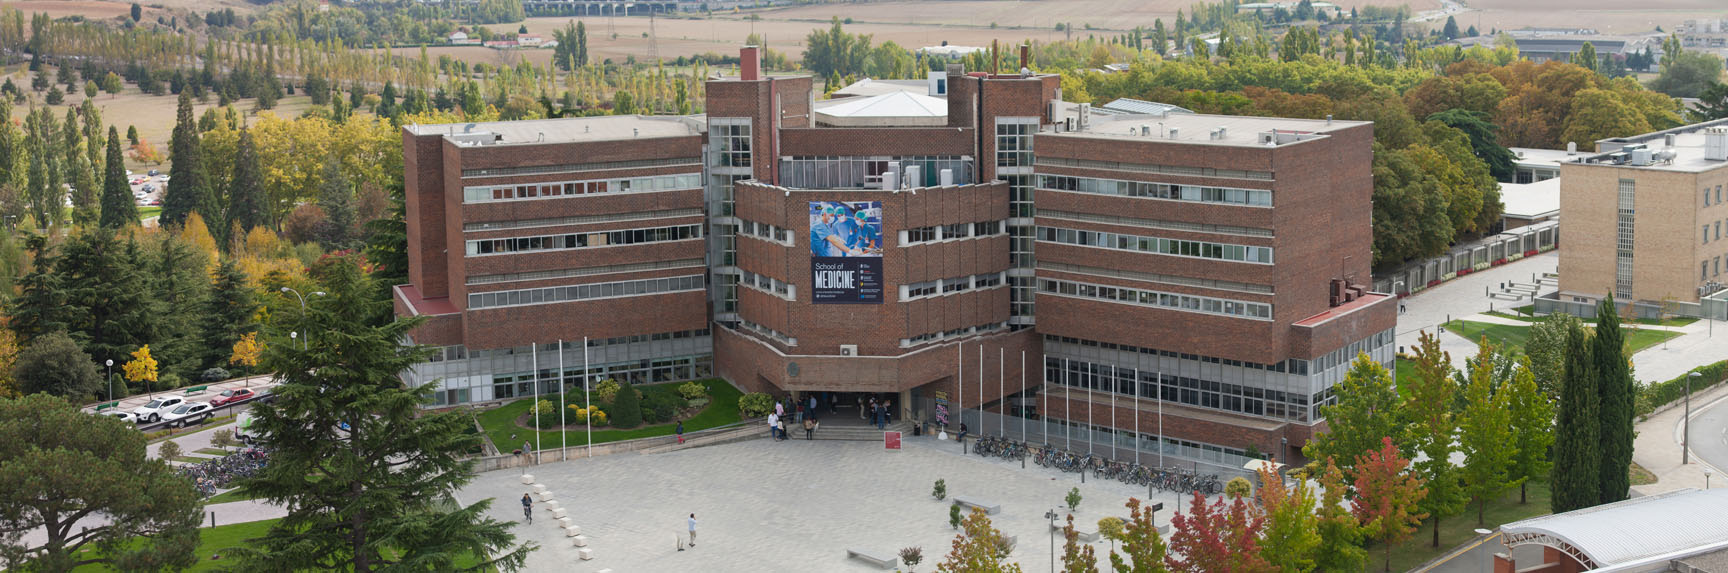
780 407
680 431
861 407
798 414
809 429
783 435
528 508
812 404
692 531
774 426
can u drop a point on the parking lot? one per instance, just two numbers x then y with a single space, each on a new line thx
146 188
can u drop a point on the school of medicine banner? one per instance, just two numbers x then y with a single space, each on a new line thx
846 252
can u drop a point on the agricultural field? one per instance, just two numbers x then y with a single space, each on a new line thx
1607 17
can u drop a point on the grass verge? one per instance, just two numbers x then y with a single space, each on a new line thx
1514 337
1461 528
1524 315
148 212
500 422
229 496
1641 476
216 540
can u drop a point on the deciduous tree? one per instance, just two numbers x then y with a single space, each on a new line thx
1218 536
1387 495
142 367
1432 429
1341 535
1366 411
977 549
1486 435
1076 557
1546 349
1292 532
1140 541
389 468
1532 415
84 483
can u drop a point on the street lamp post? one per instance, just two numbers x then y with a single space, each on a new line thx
1707 478
110 379
1052 516
1686 441
302 309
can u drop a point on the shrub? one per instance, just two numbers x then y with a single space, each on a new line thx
1656 395
606 390
692 390
954 516
1073 499
627 408
941 490
1238 487
216 374
582 416
755 405
169 450
660 407
911 556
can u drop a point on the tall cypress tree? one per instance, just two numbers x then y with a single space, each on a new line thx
186 190
1577 456
246 189
118 209
1615 386
76 164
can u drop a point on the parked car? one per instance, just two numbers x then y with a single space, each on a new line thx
155 202
154 172
149 188
123 416
164 178
156 408
187 414
232 396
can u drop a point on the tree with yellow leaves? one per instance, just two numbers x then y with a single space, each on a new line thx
197 234
247 351
142 368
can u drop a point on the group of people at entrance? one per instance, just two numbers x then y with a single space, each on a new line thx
879 411
803 411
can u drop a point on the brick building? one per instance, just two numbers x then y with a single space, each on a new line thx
889 244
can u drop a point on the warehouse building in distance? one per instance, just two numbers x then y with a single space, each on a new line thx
1208 268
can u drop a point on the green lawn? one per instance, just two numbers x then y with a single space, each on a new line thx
1514 337
215 540
1523 313
1458 529
148 212
227 496
500 422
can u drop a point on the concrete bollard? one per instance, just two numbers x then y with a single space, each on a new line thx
585 553
559 512
552 505
572 532
579 541
574 529
545 496
527 478
563 522
539 488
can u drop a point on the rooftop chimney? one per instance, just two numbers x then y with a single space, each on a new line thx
1025 56
750 64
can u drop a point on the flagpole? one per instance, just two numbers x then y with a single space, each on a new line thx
960 381
587 398
1113 388
1136 416
536 403
563 434
1022 396
1067 409
980 389
1002 389
1044 394
1160 417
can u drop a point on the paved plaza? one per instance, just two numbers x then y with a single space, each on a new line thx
795 505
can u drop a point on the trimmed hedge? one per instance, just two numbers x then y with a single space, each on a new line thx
1661 393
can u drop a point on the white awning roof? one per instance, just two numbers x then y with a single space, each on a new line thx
1629 530
1531 200
891 109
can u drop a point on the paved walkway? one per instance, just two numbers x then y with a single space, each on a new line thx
799 505
1657 447
1468 297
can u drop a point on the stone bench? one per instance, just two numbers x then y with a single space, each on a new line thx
972 502
1080 534
881 560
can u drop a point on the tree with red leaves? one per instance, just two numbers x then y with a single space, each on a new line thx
1387 494
1220 537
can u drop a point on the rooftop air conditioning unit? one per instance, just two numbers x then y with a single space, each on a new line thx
1716 143
848 350
1640 157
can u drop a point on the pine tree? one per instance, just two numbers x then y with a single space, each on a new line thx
386 108
1450 30
1486 434
336 198
1532 415
388 467
230 313
186 189
1618 391
246 189
1432 429
108 309
180 286
94 144
118 208
1366 411
1577 447
40 306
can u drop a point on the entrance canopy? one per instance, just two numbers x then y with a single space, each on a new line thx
1630 530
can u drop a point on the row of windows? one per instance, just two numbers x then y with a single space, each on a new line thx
1195 193
950 286
583 292
765 232
1238 398
584 187
929 337
1155 168
769 285
1713 232
1718 201
583 272
782 337
581 219
573 167
583 240
459 352
951 232
1174 247
1295 366
1182 302
1157 278
1157 224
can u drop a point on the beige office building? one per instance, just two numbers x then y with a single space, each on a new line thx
1643 218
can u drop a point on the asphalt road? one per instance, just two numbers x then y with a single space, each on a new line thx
1710 436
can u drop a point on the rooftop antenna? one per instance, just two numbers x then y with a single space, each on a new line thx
653 37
